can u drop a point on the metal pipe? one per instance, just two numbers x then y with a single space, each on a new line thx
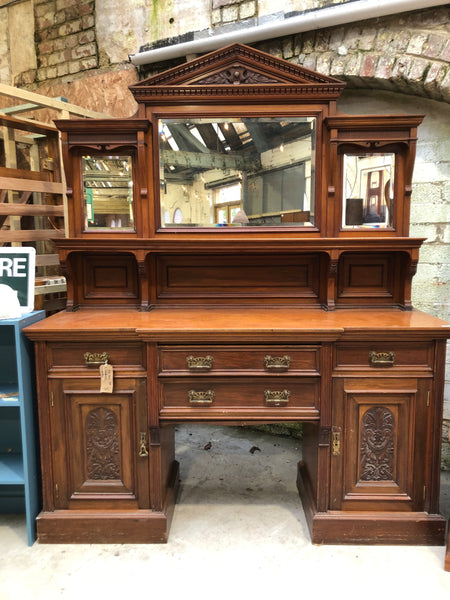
350 12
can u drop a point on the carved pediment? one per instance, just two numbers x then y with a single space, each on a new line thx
236 74
238 66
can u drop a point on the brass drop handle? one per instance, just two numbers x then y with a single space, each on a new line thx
277 363
95 359
277 397
381 359
199 363
201 398
143 446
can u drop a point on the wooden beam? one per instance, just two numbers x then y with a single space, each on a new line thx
182 135
25 174
27 125
47 260
44 102
24 197
50 288
26 210
22 185
31 235
20 108
212 160
29 140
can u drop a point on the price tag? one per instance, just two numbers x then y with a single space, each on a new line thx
106 379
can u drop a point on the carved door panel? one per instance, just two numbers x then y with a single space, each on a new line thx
100 447
379 444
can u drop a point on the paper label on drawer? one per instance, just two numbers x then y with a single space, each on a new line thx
106 379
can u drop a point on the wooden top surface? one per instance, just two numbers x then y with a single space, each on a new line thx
239 324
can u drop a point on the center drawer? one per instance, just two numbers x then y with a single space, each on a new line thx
234 360
219 398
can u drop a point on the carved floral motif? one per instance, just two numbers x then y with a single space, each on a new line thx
102 444
377 445
235 75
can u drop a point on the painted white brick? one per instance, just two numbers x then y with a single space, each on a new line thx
439 233
431 171
430 213
434 253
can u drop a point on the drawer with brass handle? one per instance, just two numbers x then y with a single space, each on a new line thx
90 355
221 398
384 355
296 360
277 397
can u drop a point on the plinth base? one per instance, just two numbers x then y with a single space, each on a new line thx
109 527
358 527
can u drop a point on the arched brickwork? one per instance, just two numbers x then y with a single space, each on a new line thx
407 53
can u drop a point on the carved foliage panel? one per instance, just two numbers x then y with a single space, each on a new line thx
101 434
102 444
379 444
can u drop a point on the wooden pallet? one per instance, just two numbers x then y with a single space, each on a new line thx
32 184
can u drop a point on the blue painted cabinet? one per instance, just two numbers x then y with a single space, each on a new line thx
19 479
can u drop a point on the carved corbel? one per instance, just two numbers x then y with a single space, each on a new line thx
66 272
412 270
332 281
143 283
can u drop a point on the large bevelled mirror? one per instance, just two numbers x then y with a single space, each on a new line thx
237 172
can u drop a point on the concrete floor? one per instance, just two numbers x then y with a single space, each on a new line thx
238 532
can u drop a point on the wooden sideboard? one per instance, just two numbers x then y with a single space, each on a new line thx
239 253
366 385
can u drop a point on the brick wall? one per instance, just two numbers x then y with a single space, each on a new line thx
65 44
65 40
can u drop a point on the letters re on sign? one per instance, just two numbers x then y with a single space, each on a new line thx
17 270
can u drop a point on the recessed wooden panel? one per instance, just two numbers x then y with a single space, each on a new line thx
368 275
363 275
246 277
370 278
110 278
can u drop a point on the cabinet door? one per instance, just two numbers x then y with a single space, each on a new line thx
99 440
379 444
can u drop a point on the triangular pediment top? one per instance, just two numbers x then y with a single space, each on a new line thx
237 64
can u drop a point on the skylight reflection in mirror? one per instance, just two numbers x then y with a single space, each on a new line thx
235 172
